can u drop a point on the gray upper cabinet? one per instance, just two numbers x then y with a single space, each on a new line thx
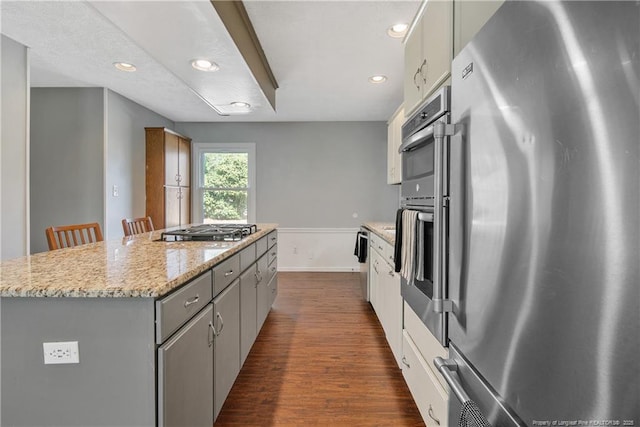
185 374
227 342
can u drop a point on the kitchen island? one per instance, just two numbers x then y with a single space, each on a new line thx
131 305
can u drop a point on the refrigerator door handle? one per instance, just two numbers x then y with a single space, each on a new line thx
448 368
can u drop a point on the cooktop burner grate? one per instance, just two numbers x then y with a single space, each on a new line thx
210 232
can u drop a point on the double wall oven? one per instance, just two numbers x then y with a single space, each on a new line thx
425 189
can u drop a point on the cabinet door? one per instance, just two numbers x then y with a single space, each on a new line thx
437 44
172 204
227 343
185 374
374 277
248 311
469 17
394 140
184 161
171 148
185 205
413 60
263 291
393 314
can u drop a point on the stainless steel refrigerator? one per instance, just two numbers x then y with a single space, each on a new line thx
545 216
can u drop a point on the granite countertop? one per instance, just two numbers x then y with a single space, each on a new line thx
386 230
135 266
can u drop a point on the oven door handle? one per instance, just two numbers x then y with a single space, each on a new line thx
416 139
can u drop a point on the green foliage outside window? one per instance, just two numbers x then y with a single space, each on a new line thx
226 180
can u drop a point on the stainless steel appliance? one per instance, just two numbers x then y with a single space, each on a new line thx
544 216
425 158
210 232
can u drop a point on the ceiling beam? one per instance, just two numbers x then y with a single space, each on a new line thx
235 18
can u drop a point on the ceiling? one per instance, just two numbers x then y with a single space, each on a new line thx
320 52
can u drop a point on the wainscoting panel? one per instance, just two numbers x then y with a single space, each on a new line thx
317 249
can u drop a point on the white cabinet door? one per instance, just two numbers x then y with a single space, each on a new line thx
469 17
413 60
394 140
427 392
437 44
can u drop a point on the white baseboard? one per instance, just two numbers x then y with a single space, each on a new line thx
317 249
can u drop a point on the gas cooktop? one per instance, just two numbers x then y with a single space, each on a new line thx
210 232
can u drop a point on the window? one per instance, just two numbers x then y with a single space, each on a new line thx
226 183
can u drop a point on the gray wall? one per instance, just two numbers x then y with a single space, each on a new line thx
313 174
126 121
67 159
13 151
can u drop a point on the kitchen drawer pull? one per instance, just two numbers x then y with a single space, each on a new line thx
228 273
274 253
391 273
191 301
219 316
177 178
273 269
258 277
431 415
212 335
404 361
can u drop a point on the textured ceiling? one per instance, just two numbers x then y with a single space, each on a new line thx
321 54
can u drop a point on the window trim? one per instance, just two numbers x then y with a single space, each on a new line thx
200 148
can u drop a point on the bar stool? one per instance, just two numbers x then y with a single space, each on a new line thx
67 236
132 226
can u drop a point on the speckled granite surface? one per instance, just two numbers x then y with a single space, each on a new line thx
136 266
386 230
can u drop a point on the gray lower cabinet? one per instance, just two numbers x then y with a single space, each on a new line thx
185 374
264 292
248 313
226 307
273 281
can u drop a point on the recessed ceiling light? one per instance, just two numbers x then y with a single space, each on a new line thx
204 65
397 30
377 79
240 104
124 66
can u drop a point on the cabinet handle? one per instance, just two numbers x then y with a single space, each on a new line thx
414 78
404 362
258 278
273 269
380 247
391 273
228 273
191 301
211 335
431 415
375 268
177 177
423 73
219 316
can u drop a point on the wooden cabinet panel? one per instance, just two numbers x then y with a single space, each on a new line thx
168 169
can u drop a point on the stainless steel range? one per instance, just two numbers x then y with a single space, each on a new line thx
210 232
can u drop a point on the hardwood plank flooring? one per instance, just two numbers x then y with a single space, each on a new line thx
321 359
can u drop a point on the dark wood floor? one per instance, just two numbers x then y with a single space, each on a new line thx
321 359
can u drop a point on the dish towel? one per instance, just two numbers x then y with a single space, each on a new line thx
409 237
397 248
470 416
361 247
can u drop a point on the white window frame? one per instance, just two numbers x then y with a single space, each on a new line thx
200 148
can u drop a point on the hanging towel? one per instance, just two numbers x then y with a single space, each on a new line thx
361 247
470 416
409 237
397 249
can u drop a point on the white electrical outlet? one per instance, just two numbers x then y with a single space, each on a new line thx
60 352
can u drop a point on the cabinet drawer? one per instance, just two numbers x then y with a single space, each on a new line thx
389 253
428 346
427 392
247 257
225 273
261 246
176 309
272 254
272 238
